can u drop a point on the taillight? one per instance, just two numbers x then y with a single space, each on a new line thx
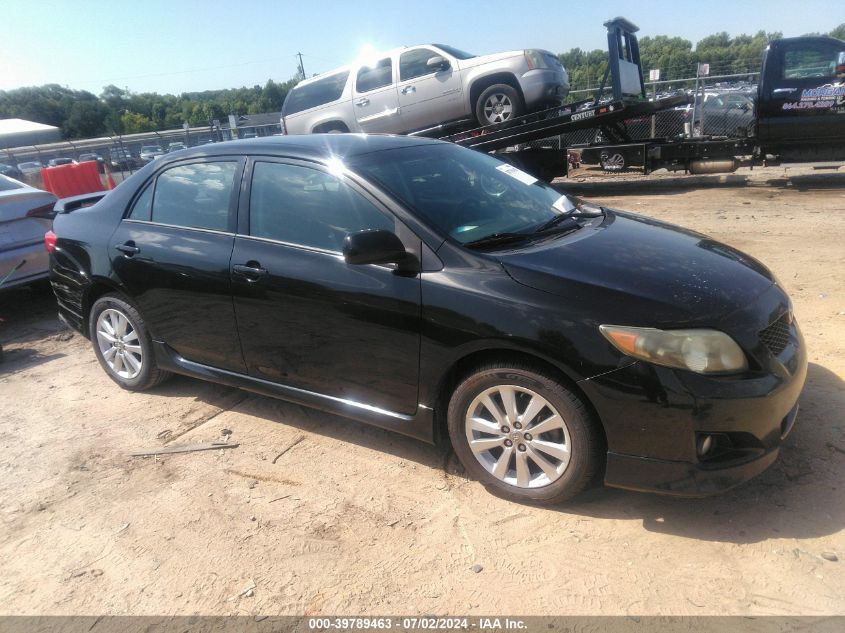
50 240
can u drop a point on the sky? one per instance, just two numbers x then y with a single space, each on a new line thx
175 46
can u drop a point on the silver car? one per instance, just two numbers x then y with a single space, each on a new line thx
26 214
415 88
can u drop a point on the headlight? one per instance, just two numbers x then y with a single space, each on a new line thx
701 351
535 59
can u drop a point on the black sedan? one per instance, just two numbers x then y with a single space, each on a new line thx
436 291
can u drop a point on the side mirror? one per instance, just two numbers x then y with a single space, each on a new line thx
376 247
438 63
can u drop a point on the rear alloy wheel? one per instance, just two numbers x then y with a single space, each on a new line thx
497 104
524 434
122 345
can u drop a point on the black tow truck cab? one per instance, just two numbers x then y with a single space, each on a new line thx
799 115
800 109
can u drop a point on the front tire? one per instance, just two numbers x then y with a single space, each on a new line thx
524 434
497 104
122 344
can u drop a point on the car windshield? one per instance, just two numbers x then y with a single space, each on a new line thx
150 148
455 52
467 195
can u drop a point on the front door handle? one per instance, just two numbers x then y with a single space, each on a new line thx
778 91
252 271
128 248
363 101
408 89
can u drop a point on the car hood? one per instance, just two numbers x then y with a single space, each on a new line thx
637 271
486 59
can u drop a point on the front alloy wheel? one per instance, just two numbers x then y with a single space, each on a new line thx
497 104
518 436
524 434
497 108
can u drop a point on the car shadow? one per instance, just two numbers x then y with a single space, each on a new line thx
13 361
801 496
28 314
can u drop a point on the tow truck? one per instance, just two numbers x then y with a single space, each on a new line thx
799 115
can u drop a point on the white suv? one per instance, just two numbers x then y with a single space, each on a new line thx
420 87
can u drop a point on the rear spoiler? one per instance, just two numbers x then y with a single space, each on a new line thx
72 203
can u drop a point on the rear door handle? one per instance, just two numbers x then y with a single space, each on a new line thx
363 101
408 89
128 248
250 272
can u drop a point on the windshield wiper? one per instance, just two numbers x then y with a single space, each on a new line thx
498 238
557 222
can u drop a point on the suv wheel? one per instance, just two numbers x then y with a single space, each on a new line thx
122 344
524 434
497 104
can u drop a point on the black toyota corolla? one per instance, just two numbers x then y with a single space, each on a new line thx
434 290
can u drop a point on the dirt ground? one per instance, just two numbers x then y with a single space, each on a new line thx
314 514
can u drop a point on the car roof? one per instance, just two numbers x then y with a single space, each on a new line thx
309 146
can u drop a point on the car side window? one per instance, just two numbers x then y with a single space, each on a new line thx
308 207
143 207
378 75
195 195
414 63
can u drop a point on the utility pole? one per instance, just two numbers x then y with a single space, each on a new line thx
301 67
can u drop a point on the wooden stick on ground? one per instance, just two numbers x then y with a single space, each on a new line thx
184 448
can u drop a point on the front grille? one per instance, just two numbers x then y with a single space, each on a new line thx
776 336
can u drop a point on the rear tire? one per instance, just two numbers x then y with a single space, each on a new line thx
497 104
540 445
122 343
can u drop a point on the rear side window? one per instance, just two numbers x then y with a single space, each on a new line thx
414 63
195 195
143 207
378 75
315 94
307 207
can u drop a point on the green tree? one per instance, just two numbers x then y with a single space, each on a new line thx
87 118
133 123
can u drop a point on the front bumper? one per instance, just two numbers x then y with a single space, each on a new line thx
542 87
688 479
655 419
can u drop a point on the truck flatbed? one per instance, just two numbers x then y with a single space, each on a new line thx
561 120
799 116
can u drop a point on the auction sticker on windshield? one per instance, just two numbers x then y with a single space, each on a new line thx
521 176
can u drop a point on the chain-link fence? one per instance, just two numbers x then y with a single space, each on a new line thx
722 107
